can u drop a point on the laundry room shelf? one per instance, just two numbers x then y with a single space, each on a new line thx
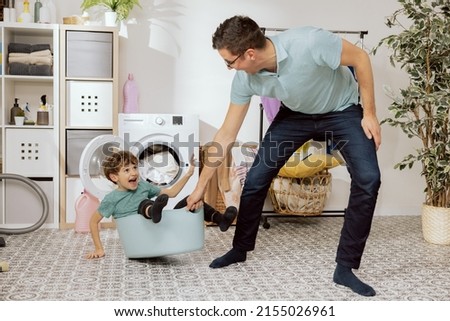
30 150
90 97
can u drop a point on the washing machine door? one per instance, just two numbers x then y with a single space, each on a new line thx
91 159
160 162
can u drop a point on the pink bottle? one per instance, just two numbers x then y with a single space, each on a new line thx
85 206
130 95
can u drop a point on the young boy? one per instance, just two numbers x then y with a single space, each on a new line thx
133 195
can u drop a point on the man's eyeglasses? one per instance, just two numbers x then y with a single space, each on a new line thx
231 63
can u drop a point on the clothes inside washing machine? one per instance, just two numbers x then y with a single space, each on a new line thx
159 165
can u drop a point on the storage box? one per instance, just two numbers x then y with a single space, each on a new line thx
89 54
30 152
76 141
24 206
90 103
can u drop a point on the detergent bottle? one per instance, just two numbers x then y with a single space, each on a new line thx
130 95
26 16
85 206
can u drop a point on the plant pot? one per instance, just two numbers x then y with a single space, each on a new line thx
110 19
436 224
19 120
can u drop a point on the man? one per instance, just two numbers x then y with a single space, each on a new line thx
307 69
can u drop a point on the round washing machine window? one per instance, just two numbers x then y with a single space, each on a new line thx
91 159
159 164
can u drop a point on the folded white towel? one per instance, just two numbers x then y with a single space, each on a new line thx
41 53
31 60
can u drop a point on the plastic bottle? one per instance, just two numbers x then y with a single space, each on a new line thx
26 16
85 206
6 15
44 14
37 8
52 9
130 95
12 15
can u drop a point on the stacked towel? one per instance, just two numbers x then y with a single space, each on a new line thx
27 59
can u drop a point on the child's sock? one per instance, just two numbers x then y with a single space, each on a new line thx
344 276
232 256
227 218
157 207
143 208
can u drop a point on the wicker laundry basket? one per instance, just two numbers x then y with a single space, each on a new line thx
220 203
300 196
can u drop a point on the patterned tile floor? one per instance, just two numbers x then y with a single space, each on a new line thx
293 261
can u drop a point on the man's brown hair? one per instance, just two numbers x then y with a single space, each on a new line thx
237 34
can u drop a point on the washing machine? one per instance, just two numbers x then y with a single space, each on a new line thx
163 143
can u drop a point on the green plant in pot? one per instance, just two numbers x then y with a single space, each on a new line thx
19 117
20 113
421 110
121 7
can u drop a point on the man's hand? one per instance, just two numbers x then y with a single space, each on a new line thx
372 129
195 200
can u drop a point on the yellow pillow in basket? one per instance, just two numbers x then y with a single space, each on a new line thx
309 166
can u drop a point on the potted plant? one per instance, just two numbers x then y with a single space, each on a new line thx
122 8
421 110
19 118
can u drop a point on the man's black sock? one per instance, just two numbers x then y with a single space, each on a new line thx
232 256
343 275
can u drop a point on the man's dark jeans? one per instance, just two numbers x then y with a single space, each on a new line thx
286 134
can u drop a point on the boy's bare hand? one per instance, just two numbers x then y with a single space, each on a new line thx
191 168
96 254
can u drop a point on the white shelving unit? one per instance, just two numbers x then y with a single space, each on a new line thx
89 102
83 93
30 150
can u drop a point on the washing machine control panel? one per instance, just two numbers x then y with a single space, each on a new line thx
176 120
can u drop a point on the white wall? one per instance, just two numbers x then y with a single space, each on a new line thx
169 52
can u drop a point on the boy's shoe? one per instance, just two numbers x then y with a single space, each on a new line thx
228 218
